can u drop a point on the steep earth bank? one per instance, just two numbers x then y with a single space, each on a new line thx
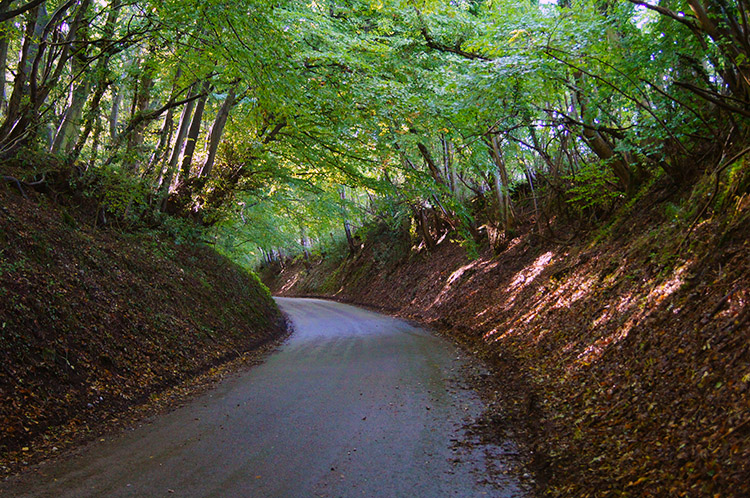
93 322
625 355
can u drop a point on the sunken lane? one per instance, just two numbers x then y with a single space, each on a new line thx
353 404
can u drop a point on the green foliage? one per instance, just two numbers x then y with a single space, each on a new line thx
349 96
180 230
470 245
671 211
735 185
594 187
113 190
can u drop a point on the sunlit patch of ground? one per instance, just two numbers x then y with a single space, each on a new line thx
289 284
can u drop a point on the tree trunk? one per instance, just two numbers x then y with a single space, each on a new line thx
167 130
91 116
434 170
600 145
501 185
531 179
96 142
70 123
424 226
540 149
162 147
304 243
217 129
450 217
141 102
29 48
604 150
192 136
185 117
4 42
6 15
450 172
347 225
45 70
65 136
99 79
114 114
717 21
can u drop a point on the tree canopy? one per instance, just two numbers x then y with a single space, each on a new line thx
283 124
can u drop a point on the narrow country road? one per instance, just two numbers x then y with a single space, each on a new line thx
353 404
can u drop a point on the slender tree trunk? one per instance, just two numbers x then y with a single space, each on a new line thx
434 170
96 142
347 225
349 238
65 136
450 173
162 149
141 102
29 48
715 19
99 79
450 217
304 243
91 116
424 226
4 43
6 14
214 136
192 136
165 136
540 148
114 114
46 69
185 117
532 185
501 185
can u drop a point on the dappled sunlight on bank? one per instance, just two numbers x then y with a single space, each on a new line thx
479 266
529 274
620 346
666 289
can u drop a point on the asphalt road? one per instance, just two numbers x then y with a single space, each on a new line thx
353 404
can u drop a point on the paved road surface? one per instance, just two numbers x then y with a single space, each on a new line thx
354 404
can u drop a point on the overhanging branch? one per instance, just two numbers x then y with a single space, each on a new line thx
441 47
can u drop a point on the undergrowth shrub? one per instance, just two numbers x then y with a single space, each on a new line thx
594 188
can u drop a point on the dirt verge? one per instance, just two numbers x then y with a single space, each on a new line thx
625 353
95 322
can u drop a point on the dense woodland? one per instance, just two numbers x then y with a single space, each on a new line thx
284 125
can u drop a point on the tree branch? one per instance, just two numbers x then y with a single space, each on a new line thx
719 100
20 10
441 47
687 21
19 183
614 132
272 136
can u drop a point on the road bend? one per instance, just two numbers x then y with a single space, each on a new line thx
353 404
